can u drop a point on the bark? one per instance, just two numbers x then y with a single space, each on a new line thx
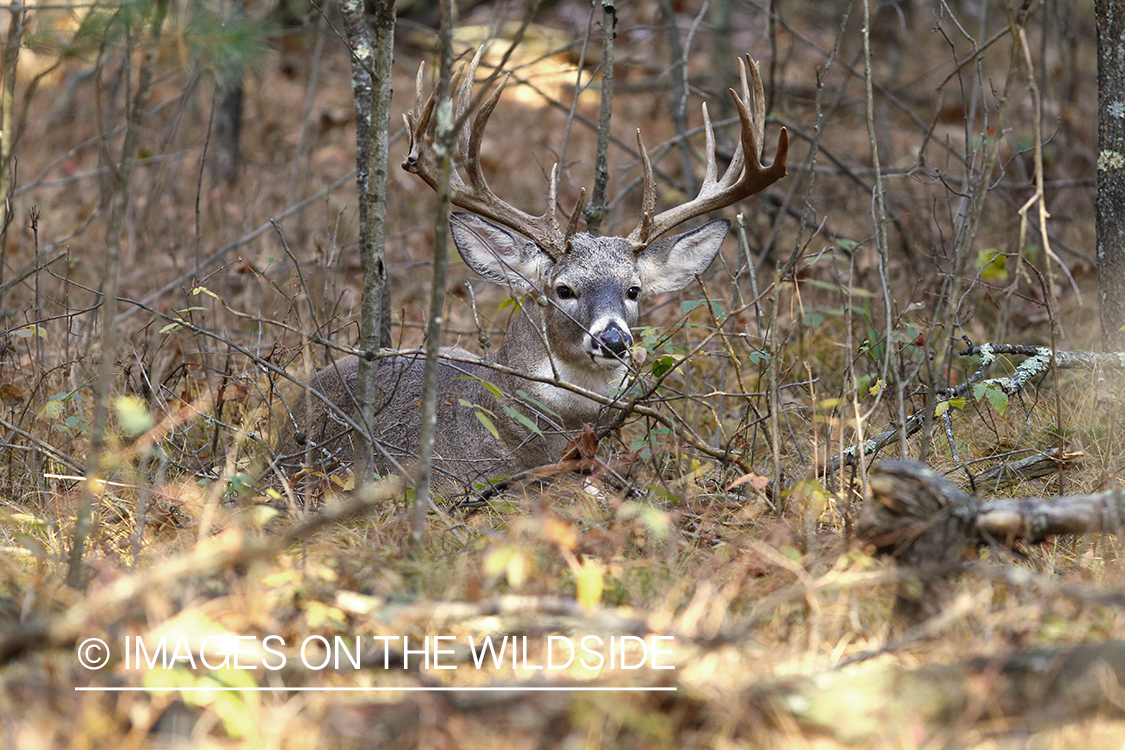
228 129
923 519
446 133
16 28
927 524
371 88
227 153
1110 211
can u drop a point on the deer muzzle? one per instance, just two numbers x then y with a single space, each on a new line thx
613 342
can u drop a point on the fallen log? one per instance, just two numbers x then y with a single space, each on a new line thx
927 523
920 517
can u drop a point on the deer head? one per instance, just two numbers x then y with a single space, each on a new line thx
593 283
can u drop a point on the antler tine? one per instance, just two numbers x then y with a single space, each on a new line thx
745 176
572 225
418 120
464 99
419 88
712 172
759 105
476 138
476 196
648 199
553 198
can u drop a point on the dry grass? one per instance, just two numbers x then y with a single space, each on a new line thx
756 589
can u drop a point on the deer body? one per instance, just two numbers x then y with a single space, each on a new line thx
573 326
579 334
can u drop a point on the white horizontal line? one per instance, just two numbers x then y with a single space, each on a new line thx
439 689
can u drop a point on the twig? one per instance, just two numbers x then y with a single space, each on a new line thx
596 212
1038 362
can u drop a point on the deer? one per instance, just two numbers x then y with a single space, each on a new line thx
569 341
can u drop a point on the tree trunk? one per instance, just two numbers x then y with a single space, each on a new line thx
371 86
227 154
1111 172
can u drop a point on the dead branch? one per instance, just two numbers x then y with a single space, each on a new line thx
1038 362
924 519
1039 464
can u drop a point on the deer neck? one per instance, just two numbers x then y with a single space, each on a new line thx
528 348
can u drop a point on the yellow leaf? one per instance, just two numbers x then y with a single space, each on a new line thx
133 415
993 265
591 583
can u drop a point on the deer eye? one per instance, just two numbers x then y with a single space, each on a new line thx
633 292
564 292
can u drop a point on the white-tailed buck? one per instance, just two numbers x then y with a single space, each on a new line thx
586 293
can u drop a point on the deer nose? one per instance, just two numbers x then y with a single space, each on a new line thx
614 342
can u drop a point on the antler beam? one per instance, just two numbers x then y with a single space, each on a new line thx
743 178
424 160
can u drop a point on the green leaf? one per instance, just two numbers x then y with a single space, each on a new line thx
488 425
492 389
662 365
487 386
204 290
78 424
537 404
995 395
523 419
944 406
171 328
812 319
998 399
759 358
993 265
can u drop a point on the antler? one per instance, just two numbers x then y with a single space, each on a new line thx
424 161
742 178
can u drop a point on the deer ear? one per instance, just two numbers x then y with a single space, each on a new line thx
497 254
673 262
